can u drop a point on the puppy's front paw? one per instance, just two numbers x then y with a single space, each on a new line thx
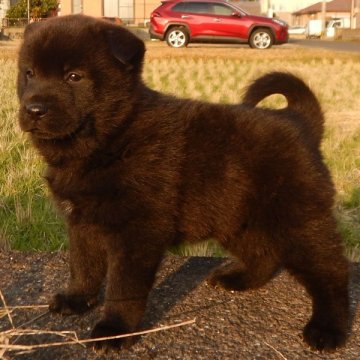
108 328
324 337
67 304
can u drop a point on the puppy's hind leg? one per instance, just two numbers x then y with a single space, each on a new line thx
316 260
87 271
255 265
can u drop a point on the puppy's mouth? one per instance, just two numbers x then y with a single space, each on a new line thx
86 123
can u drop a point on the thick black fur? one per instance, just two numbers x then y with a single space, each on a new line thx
135 171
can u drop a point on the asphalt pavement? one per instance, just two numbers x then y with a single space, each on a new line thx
261 324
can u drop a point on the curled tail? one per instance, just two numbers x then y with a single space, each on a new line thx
300 100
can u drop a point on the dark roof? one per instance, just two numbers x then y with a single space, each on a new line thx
332 6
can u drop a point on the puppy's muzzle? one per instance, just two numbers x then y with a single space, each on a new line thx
36 110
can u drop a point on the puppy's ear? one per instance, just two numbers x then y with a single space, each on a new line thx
125 46
30 28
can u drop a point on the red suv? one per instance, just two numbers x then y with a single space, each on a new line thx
182 21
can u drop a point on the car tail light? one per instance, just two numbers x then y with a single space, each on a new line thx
155 14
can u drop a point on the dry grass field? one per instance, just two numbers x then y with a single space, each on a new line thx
211 73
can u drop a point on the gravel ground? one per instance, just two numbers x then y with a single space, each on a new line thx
258 324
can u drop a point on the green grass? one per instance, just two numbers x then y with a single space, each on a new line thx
28 220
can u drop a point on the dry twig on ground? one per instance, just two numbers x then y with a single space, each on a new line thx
71 336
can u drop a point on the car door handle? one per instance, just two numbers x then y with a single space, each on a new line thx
217 20
185 16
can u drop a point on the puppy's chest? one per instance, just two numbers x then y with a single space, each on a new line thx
75 185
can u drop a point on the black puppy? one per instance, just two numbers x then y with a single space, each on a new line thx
135 171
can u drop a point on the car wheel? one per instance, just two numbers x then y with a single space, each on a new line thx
177 37
261 39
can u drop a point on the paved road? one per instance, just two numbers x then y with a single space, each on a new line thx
328 44
259 324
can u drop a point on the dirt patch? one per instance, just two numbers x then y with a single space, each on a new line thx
261 324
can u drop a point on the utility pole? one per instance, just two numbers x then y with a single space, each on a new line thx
352 15
323 17
28 10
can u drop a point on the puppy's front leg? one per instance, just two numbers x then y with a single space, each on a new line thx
131 272
87 271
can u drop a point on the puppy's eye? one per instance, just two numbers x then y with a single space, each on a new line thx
29 74
73 77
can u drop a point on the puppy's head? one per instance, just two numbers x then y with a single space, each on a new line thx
76 75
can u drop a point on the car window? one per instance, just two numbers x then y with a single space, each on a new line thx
179 7
197 7
203 8
220 9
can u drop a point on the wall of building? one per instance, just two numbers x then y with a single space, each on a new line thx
65 7
93 8
131 11
302 20
283 6
87 7
4 6
347 34
144 8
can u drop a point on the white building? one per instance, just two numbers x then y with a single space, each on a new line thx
284 8
4 7
285 5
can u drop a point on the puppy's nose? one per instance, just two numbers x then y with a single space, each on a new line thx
36 109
